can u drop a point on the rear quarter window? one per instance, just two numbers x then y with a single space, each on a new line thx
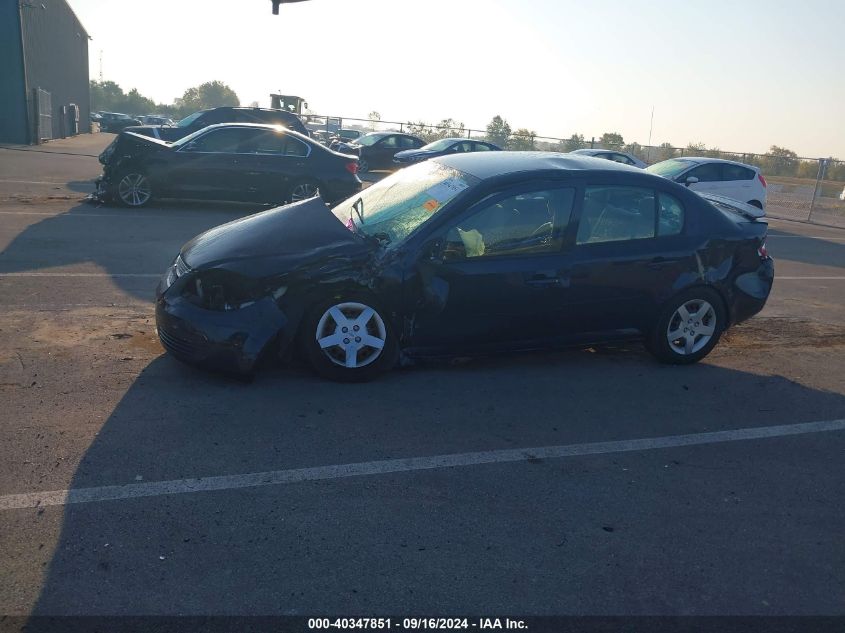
737 172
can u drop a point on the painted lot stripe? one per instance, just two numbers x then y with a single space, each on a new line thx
804 237
319 473
120 215
809 278
35 182
144 275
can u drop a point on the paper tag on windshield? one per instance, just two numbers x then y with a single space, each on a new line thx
447 189
431 205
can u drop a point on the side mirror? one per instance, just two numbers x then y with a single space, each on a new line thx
691 180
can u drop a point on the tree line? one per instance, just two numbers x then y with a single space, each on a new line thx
778 161
108 96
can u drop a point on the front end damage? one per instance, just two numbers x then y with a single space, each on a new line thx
236 293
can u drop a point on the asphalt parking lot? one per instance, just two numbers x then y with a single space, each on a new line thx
539 484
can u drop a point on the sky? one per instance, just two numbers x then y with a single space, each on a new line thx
740 75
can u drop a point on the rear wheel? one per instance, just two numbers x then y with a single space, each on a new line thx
348 341
363 166
689 327
134 189
303 191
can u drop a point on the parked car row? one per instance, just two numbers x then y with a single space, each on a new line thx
393 150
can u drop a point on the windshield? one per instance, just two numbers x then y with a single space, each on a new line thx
439 146
190 119
670 168
370 139
394 207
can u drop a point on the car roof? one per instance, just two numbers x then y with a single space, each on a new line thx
490 164
700 160
261 126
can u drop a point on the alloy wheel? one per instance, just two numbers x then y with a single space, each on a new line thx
134 190
691 327
351 335
303 191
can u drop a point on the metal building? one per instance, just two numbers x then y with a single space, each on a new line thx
44 90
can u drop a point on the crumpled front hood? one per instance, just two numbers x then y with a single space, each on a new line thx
275 241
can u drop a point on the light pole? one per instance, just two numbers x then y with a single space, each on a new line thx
276 4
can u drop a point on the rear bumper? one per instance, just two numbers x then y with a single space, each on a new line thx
337 190
225 341
751 291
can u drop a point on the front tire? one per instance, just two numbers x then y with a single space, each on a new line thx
363 166
133 189
689 327
348 340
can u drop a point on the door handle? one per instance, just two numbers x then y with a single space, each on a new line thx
661 262
542 279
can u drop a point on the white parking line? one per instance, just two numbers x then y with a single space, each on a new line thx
277 477
28 274
778 278
805 237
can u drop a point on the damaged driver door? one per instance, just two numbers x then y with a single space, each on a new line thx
495 276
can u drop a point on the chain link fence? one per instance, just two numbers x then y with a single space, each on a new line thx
805 189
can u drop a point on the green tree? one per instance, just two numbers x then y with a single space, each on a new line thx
498 131
576 141
211 94
612 140
136 103
522 140
635 149
106 96
780 161
662 152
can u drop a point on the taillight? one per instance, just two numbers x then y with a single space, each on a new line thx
762 251
352 167
762 180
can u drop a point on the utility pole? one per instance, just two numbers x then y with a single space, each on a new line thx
101 65
650 128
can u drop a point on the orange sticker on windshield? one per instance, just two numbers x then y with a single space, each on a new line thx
431 205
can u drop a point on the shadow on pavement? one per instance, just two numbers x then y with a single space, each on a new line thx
119 241
797 248
711 535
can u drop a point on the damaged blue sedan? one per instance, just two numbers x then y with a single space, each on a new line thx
469 254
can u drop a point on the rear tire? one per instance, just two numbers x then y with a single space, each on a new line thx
348 340
688 327
363 166
304 190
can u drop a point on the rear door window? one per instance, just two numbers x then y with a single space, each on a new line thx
737 172
614 213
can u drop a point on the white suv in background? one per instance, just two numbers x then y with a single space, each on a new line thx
716 176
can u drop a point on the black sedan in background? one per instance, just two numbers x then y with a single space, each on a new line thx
244 162
465 254
377 149
225 114
116 122
443 147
